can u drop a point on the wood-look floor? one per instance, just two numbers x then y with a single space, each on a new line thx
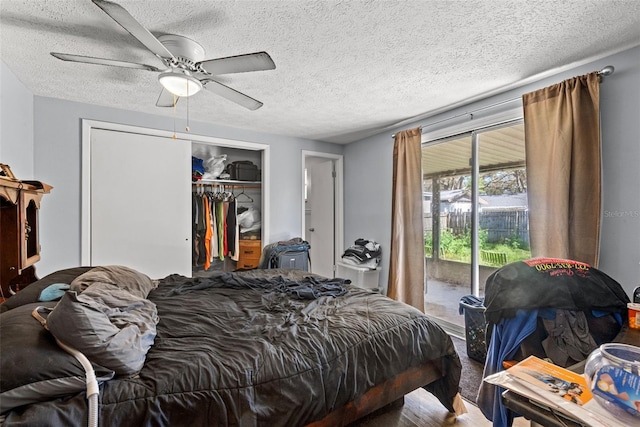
422 409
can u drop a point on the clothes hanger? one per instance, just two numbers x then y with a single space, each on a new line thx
242 193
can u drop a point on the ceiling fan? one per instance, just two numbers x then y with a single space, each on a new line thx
185 70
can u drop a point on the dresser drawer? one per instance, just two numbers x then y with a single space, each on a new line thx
249 254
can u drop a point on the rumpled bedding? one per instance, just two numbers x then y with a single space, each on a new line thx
224 356
308 287
105 315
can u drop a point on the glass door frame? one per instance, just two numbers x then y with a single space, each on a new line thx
506 119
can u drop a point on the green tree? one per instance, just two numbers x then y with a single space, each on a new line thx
506 181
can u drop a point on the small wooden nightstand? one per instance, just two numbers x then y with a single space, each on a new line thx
249 256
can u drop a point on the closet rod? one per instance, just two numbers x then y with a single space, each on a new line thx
194 185
606 71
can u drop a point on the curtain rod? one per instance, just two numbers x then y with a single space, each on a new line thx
606 71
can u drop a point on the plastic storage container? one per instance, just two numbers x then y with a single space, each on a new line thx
477 335
633 308
613 375
363 277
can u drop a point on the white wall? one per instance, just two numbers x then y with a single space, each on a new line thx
16 124
57 153
368 169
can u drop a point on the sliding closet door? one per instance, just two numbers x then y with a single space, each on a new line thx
140 202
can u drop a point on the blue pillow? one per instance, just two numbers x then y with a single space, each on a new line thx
53 292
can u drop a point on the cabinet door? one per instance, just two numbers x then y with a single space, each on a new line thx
141 202
29 205
10 241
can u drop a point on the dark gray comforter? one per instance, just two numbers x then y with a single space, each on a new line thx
236 356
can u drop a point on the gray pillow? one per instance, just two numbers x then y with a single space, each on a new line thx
126 278
107 323
33 368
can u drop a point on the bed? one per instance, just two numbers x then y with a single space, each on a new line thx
252 348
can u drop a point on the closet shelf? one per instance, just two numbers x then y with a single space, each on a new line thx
229 182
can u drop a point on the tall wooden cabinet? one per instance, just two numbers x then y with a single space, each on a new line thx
19 245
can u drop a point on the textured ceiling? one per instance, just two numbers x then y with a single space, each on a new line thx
345 69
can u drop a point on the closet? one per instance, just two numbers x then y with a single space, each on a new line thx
138 200
226 212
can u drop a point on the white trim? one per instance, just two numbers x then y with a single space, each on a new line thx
472 124
85 194
85 187
339 198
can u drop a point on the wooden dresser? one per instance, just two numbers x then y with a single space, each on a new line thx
19 245
249 256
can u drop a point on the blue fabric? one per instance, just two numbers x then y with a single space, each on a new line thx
600 313
197 165
53 292
547 313
507 336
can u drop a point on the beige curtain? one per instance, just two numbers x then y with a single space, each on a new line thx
562 142
407 259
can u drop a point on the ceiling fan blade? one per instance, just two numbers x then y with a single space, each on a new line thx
167 99
103 61
258 61
129 23
231 94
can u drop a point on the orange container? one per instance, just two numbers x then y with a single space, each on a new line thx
634 315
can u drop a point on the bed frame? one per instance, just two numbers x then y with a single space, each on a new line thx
389 392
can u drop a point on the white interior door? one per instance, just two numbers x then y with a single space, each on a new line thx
320 227
140 209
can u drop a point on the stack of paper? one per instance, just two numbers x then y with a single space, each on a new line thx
558 389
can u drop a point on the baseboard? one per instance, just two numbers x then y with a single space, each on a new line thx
450 328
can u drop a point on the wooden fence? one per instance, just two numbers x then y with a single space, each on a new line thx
499 224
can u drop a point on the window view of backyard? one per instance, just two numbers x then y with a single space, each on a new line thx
503 233
460 187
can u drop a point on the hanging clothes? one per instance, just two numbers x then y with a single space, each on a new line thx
232 230
225 240
220 225
208 232
194 230
199 251
237 239
214 229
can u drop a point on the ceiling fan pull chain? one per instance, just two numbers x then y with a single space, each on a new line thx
175 102
187 128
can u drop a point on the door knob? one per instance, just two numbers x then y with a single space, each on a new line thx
312 229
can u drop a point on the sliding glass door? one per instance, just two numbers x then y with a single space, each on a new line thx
475 213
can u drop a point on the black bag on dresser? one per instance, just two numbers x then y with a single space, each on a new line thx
243 170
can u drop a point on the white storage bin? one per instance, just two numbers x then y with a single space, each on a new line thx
363 277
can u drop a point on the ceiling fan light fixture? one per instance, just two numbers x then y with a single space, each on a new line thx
180 83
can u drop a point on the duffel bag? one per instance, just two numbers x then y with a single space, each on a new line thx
243 170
